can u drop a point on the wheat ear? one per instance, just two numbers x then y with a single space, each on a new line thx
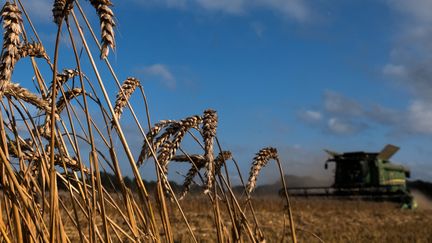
20 93
62 78
188 180
12 21
172 128
61 9
126 90
33 50
161 139
163 159
192 158
198 162
182 128
210 121
260 160
45 129
67 97
27 153
169 148
106 18
154 131
220 160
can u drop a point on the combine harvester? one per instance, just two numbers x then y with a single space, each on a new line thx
366 176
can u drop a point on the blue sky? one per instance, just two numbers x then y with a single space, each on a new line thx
297 75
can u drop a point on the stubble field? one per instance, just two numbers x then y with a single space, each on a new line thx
316 220
330 220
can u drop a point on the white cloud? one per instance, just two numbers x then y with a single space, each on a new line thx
417 9
412 53
338 104
383 115
341 116
162 73
298 10
165 3
394 70
412 49
338 126
420 117
176 3
311 116
229 6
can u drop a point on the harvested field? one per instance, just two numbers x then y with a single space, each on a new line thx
331 220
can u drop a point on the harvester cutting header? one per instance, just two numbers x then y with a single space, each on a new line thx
364 175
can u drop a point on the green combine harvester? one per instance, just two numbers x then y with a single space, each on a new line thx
364 175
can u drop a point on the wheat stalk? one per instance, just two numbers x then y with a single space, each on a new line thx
209 126
12 21
260 160
106 18
126 90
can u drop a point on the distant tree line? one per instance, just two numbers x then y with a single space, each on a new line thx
111 184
